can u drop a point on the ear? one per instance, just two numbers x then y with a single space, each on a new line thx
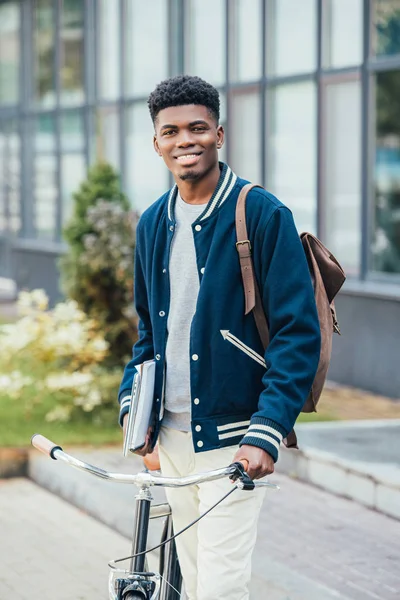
156 146
220 136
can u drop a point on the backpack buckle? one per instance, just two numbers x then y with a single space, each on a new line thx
242 243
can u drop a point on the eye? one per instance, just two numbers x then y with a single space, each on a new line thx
168 132
199 129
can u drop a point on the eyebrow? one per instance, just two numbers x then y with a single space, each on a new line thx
191 124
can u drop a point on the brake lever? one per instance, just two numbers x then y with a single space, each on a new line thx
240 473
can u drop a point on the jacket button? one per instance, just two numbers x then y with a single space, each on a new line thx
161 313
202 270
171 228
196 401
164 271
158 357
198 428
198 228
200 444
195 357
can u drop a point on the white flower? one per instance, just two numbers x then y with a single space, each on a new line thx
59 413
98 344
13 383
60 381
40 299
68 311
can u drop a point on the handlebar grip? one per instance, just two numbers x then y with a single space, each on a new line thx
44 445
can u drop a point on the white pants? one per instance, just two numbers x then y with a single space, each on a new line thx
215 554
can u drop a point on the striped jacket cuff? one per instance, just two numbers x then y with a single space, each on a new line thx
265 434
125 405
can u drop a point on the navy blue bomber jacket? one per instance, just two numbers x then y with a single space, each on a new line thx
234 399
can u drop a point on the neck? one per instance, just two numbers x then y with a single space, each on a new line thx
199 191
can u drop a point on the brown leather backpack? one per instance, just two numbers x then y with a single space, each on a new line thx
327 276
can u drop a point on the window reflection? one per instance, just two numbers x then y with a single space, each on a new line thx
10 177
45 188
71 51
291 169
9 52
44 42
109 37
342 173
343 34
142 75
206 40
146 173
246 43
245 135
107 139
291 36
386 27
73 161
386 247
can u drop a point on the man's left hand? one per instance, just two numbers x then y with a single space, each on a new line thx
259 463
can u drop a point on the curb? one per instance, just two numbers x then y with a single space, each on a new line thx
376 486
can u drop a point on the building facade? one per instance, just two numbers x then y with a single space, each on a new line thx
310 97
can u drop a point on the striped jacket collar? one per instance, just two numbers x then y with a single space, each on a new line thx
224 187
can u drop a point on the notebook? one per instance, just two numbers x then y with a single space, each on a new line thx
141 407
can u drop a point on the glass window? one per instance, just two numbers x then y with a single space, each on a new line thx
244 136
44 42
291 168
291 36
343 29
146 174
73 161
141 76
10 177
108 60
386 245
386 27
9 52
206 40
107 137
342 173
246 40
71 51
45 190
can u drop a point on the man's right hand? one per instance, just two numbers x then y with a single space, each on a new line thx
147 447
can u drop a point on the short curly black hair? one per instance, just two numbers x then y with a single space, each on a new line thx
183 89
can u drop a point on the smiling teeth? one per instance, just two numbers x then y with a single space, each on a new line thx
187 156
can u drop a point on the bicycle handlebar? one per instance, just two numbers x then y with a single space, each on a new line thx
44 445
140 479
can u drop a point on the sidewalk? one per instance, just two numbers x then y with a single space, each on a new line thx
356 459
311 545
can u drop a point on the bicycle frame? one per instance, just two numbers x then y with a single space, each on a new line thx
137 579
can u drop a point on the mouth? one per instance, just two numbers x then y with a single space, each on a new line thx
188 160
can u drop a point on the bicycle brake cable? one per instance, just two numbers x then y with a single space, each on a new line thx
118 560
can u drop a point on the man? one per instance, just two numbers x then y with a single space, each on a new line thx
213 403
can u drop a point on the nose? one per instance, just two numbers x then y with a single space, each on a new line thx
185 139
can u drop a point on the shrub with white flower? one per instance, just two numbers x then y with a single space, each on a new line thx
58 352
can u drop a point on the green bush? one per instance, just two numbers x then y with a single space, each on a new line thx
97 271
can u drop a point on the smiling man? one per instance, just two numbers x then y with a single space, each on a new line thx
214 404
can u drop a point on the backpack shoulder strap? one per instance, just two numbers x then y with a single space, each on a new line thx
250 287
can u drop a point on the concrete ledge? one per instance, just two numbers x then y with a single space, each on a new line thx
369 482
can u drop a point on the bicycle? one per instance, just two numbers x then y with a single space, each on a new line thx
136 583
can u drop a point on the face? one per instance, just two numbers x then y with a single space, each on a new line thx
188 138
